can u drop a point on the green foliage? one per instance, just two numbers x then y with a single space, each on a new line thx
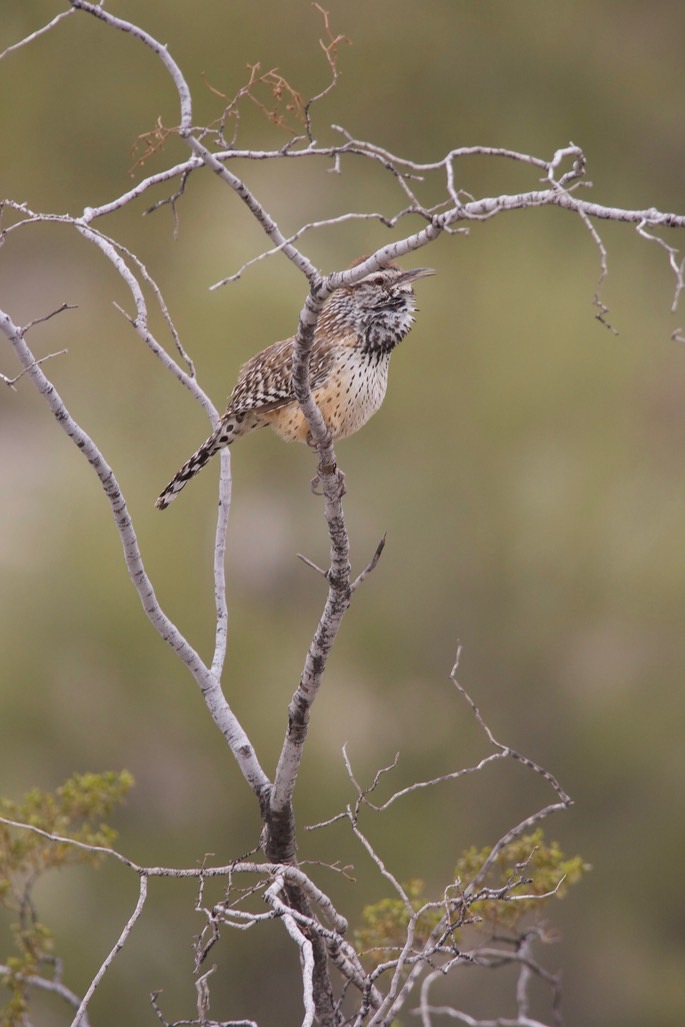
527 866
385 923
522 877
74 811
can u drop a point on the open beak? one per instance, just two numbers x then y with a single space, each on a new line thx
417 272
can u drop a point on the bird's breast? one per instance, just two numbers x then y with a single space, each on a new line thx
351 394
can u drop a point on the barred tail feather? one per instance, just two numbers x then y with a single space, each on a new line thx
216 441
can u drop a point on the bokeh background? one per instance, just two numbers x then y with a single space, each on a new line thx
527 467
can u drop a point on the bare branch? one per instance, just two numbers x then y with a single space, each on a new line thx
678 267
116 254
370 567
221 605
36 35
11 382
121 941
314 566
330 49
602 308
306 953
202 989
564 798
308 914
46 984
440 779
216 702
46 317
158 49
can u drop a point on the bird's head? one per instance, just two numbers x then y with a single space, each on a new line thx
379 307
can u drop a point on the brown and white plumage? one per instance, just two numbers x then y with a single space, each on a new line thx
358 329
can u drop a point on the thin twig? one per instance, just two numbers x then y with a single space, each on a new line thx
11 382
120 942
37 34
217 705
46 984
370 567
314 566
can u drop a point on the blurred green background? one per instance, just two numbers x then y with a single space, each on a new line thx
527 467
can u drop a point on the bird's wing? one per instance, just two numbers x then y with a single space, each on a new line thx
265 381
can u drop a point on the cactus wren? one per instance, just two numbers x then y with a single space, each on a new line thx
358 329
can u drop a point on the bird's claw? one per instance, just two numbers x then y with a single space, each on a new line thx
328 469
314 485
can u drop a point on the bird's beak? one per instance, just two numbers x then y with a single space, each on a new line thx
417 272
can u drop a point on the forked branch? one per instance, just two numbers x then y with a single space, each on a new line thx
308 915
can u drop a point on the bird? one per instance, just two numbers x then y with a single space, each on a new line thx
357 330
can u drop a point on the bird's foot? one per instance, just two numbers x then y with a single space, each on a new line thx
326 469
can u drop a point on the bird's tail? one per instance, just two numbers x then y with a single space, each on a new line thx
216 441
